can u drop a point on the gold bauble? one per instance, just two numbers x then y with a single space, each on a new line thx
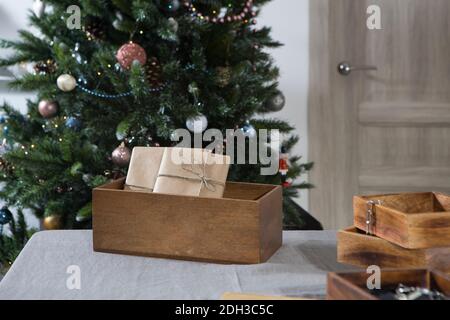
223 76
53 222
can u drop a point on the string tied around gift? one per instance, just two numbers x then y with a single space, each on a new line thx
200 175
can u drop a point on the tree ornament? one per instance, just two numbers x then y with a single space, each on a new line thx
73 123
45 67
53 222
121 155
4 147
5 131
169 6
197 124
38 8
284 168
66 82
249 131
276 103
5 166
173 24
21 69
5 216
94 28
223 76
48 109
154 73
130 52
114 175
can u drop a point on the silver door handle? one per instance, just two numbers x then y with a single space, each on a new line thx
345 68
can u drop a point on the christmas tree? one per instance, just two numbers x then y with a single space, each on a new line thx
12 243
112 75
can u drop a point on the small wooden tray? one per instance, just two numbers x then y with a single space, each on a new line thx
358 249
243 227
353 285
410 220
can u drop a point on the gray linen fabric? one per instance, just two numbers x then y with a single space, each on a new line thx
299 268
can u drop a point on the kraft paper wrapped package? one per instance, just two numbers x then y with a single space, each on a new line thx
180 171
144 167
192 172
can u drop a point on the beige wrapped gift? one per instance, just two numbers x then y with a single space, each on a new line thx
143 170
192 172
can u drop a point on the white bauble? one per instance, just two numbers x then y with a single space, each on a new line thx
21 69
66 82
197 124
38 8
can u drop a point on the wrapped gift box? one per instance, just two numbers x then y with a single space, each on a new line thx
245 226
192 172
359 249
143 170
410 220
353 285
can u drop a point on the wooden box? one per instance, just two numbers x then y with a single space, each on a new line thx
353 285
358 249
411 220
243 227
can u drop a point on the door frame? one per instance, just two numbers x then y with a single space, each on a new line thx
332 131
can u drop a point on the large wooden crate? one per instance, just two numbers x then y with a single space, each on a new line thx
244 227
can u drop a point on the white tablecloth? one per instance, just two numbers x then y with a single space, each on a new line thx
299 268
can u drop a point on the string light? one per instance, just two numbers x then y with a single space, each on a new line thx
246 11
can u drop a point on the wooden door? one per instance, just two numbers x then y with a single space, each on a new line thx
378 131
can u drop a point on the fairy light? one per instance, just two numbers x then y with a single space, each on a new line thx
247 10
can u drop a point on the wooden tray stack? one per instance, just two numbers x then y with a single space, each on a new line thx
353 285
410 230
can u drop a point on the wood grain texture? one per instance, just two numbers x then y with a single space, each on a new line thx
358 249
424 178
353 285
404 113
382 130
410 220
216 230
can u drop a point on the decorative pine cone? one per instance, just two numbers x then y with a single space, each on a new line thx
223 76
5 167
45 67
94 28
154 72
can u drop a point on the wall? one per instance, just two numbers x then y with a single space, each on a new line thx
289 21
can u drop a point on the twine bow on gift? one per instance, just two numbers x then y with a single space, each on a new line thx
200 175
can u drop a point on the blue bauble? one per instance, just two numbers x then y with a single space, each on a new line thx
5 130
5 216
2 119
73 123
249 131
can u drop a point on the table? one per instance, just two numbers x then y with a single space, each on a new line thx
299 268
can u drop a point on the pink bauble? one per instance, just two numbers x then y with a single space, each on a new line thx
130 52
121 155
48 109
